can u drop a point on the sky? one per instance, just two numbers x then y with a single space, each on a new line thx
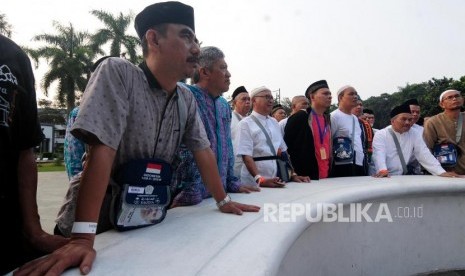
375 46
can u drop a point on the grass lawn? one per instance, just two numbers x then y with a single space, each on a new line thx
50 167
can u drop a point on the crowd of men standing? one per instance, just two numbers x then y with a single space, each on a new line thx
213 150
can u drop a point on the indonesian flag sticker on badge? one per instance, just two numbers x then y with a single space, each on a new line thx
153 168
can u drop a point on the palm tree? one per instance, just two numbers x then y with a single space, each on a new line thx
5 27
69 56
115 31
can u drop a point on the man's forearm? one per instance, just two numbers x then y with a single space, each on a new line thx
27 189
94 183
250 164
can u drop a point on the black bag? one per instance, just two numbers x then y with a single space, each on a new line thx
343 151
282 163
142 195
446 154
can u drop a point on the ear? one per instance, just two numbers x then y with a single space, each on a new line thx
152 37
441 105
203 71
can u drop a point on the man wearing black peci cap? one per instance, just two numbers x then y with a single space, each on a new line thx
241 107
308 134
129 113
394 145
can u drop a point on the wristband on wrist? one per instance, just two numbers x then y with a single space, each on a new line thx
225 201
84 228
257 177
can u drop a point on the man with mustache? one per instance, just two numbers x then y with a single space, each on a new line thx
211 79
241 107
448 127
395 144
259 140
131 112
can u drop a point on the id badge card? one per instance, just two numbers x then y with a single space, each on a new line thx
323 154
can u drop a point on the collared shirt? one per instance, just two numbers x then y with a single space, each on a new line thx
238 163
442 129
341 126
216 116
385 154
74 148
417 128
126 109
251 141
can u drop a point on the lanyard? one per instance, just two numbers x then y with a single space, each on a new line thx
325 129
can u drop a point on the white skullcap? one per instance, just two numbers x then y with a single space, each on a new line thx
342 89
444 93
257 90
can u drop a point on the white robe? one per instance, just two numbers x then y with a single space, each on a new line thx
251 141
385 152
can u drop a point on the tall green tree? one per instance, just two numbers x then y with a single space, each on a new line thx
69 56
427 93
5 27
114 33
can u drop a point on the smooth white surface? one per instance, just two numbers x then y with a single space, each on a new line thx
199 240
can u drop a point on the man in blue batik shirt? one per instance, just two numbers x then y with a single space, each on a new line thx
211 80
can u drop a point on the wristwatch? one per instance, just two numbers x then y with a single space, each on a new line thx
225 201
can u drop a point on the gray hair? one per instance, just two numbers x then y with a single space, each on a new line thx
207 57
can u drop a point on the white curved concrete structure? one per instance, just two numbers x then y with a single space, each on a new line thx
199 240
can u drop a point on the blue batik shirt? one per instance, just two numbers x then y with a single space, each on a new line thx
216 116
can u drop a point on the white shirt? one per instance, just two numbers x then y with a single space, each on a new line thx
234 129
282 125
385 152
341 126
417 128
251 141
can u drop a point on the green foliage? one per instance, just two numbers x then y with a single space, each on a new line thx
287 105
5 27
52 116
48 155
50 167
427 93
115 33
69 57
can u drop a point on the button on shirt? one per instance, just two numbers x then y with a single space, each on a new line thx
252 141
385 154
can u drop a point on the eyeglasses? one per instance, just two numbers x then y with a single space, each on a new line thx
268 97
450 98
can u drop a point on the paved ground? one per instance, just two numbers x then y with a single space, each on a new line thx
52 188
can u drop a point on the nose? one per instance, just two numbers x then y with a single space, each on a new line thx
195 49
